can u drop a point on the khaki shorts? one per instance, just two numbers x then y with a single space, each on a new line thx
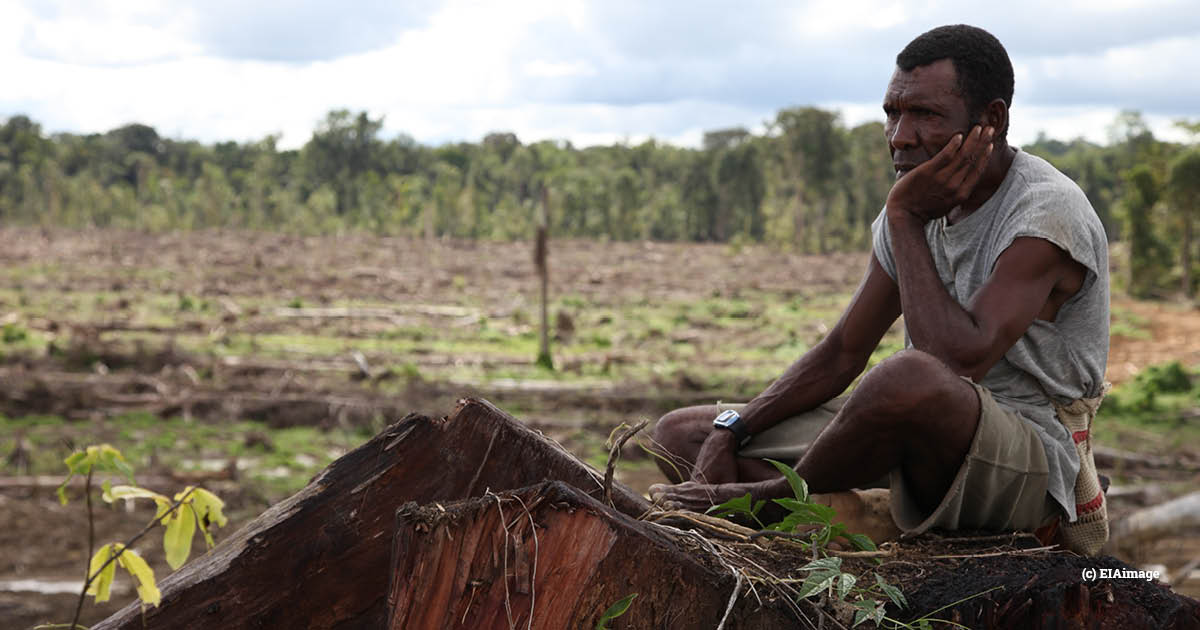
1001 484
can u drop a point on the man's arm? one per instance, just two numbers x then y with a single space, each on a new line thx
829 367
1031 277
819 375
972 338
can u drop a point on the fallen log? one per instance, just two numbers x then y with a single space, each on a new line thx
319 559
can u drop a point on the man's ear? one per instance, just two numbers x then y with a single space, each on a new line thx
995 115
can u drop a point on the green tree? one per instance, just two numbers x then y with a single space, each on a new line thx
1148 258
1183 187
343 148
812 147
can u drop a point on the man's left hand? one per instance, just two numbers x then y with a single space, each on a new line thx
945 181
698 497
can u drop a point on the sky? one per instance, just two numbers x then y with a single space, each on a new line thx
586 71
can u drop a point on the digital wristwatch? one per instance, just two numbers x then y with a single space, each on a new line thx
732 421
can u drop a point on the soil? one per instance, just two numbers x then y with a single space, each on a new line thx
106 359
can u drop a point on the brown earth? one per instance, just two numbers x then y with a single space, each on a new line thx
110 356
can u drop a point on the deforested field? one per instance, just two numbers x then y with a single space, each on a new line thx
245 362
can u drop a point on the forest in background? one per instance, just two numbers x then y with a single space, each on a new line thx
808 183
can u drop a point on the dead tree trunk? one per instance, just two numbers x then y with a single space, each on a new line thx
319 559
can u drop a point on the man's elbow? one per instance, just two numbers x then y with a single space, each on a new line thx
963 359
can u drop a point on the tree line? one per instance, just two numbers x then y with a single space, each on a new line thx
808 182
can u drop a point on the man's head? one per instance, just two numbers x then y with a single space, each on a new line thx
946 81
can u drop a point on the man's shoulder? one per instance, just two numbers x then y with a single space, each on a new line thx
1041 192
1039 177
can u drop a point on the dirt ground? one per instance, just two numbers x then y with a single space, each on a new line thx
215 326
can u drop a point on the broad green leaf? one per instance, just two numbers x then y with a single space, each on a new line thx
143 576
823 513
880 612
177 540
831 563
791 504
893 593
815 584
616 610
833 531
845 583
862 542
102 583
864 610
799 487
789 523
805 512
739 505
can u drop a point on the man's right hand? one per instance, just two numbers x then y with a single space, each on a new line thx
717 461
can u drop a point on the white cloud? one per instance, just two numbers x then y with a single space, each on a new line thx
583 70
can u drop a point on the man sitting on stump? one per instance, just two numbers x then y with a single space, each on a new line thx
1000 267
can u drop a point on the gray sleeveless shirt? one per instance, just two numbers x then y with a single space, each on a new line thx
1065 358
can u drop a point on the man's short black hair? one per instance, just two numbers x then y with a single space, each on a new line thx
980 61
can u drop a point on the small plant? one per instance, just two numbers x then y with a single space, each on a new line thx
190 510
825 574
802 512
616 610
13 333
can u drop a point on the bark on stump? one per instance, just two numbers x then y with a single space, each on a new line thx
319 559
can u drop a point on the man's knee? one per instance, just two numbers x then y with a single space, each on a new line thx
920 401
909 379
675 430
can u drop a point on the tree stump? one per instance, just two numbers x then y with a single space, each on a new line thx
330 542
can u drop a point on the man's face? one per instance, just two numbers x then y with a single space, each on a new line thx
924 110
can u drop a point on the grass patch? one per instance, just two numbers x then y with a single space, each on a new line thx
1125 323
277 462
1158 409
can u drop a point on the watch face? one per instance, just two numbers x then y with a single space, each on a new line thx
727 418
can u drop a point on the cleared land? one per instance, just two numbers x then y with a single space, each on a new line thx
247 362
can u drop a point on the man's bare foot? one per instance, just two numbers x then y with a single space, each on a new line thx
863 511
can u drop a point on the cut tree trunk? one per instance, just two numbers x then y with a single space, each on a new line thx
330 543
